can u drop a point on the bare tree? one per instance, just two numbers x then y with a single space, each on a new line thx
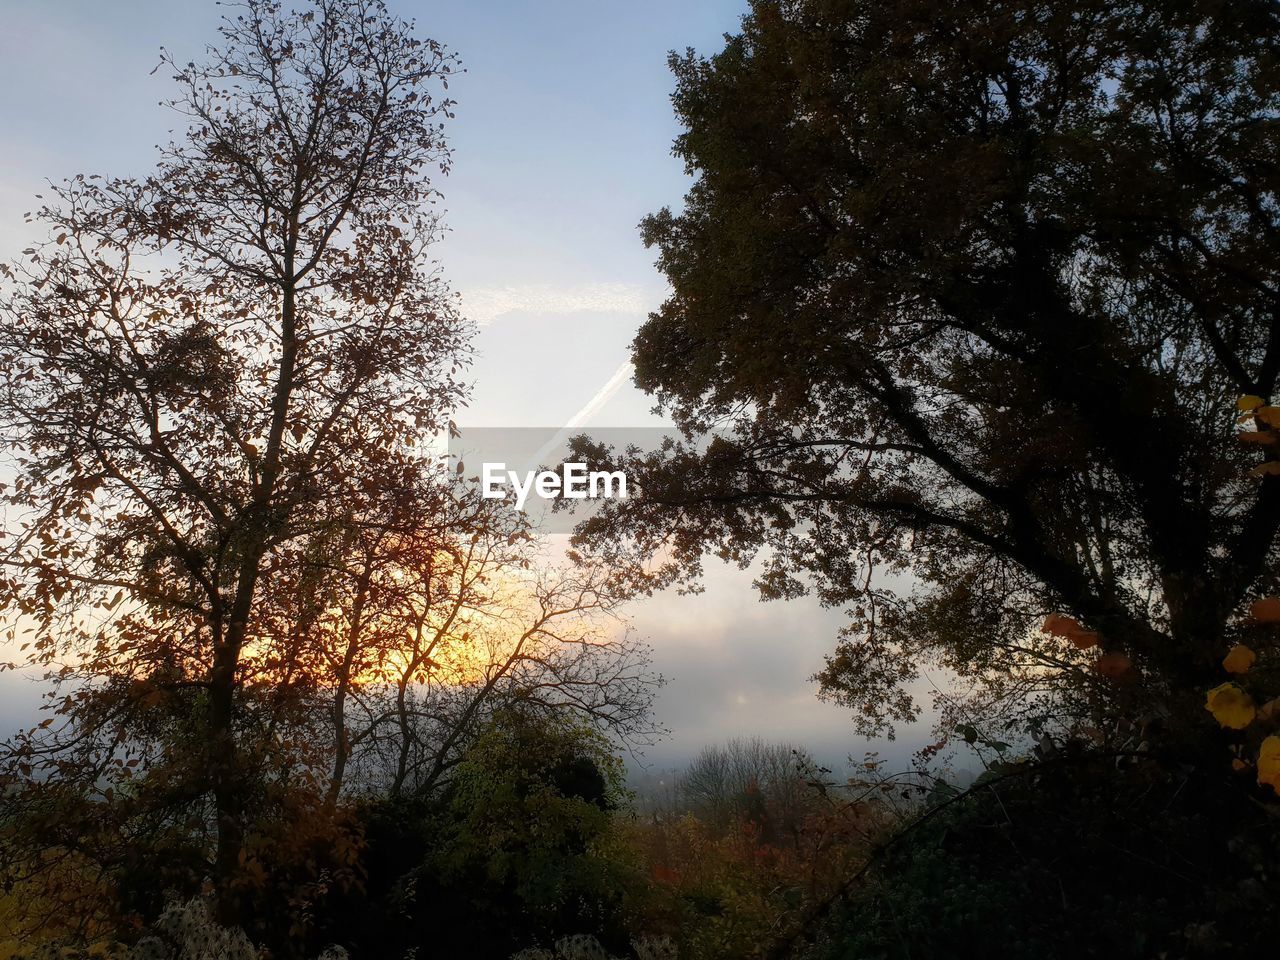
753 778
428 631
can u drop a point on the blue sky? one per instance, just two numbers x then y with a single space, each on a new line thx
562 143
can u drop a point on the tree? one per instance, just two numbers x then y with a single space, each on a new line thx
968 292
767 783
532 803
522 845
433 634
254 586
208 372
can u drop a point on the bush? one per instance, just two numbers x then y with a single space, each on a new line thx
1073 859
519 851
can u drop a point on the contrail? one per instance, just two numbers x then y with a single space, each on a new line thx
590 409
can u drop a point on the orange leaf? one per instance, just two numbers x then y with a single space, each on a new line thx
1060 625
1268 415
1266 610
1239 659
1113 665
1084 639
1269 762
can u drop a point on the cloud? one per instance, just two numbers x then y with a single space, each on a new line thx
487 304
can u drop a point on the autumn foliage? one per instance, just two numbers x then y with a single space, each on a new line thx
971 334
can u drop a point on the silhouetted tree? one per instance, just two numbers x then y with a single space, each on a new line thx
208 371
969 292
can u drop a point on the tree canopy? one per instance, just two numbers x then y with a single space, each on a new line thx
969 292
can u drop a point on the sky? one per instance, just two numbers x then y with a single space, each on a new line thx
562 143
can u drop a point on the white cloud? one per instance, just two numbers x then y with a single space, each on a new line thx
487 304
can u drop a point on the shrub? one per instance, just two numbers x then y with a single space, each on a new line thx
1073 859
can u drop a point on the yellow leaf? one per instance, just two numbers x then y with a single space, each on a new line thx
1239 659
1232 707
1269 762
1249 402
1237 764
1268 415
1254 436
1270 469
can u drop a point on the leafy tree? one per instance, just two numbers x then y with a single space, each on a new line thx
233 548
207 372
520 847
530 797
968 292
